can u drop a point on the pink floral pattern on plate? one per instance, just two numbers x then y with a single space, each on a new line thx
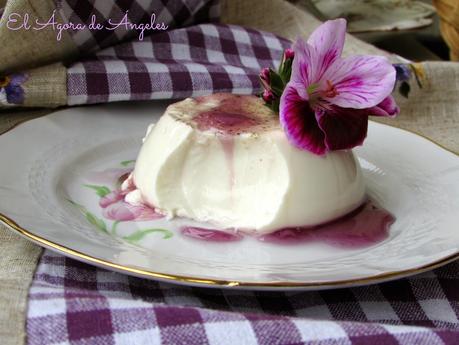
115 208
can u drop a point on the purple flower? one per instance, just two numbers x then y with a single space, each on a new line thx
11 86
326 104
403 72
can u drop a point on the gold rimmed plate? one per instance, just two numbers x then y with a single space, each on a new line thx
56 169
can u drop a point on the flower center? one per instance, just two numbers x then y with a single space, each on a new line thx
315 93
4 81
330 91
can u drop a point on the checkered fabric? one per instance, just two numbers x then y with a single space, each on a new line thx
74 303
173 13
185 62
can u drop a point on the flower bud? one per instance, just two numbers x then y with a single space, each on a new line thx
268 96
264 78
264 75
289 54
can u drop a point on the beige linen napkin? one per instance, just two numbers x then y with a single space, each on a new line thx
431 111
36 52
18 260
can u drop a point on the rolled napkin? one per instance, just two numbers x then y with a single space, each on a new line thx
128 61
192 61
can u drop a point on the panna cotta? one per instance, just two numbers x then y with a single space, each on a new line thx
224 159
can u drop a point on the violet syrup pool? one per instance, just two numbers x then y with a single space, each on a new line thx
366 226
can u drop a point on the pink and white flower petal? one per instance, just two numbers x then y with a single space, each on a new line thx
302 68
360 81
299 122
327 42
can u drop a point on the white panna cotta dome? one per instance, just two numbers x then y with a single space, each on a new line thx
224 159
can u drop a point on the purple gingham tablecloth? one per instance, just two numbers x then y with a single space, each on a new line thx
185 62
74 303
188 59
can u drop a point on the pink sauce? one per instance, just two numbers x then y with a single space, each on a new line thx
233 115
364 227
228 149
210 235
226 121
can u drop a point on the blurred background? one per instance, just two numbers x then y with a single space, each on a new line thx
414 29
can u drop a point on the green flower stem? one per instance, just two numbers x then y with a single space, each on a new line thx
126 163
91 218
101 191
140 234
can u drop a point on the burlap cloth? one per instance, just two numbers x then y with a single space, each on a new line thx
432 112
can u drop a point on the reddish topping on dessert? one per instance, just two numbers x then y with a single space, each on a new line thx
231 123
232 114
